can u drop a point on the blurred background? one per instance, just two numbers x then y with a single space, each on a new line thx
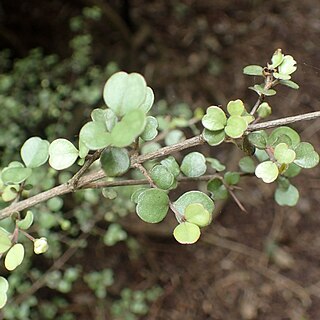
104 262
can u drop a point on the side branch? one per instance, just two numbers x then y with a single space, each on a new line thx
89 180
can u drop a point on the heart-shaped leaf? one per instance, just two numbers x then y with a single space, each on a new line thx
288 65
153 205
4 285
14 257
215 119
267 171
187 233
62 154
235 108
162 177
148 101
283 154
197 214
306 157
35 152
193 197
174 136
277 58
287 196
5 242
213 138
115 161
128 129
236 126
15 175
94 135
124 92
247 165
194 164
171 164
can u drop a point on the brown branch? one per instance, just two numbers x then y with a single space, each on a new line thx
99 174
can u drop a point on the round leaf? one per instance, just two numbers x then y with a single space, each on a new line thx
253 70
171 164
148 101
288 65
62 154
267 171
193 197
247 165
235 108
236 126
162 177
3 299
35 152
187 233
94 135
292 171
277 58
153 205
4 286
27 221
15 175
214 119
283 154
124 92
115 161
287 197
173 137
194 164
150 131
264 110
5 242
280 131
128 129
213 138
14 257
217 189
232 178
306 157
197 214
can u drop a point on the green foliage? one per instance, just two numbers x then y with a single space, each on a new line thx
187 233
14 257
115 161
35 152
194 164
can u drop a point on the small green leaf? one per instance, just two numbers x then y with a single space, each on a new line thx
235 108
194 164
171 164
267 171
62 154
290 84
124 92
217 189
115 161
162 177
193 197
288 65
14 257
280 131
247 165
153 205
83 150
214 138
35 152
215 119
216 164
277 58
27 221
173 137
128 129
264 110
258 138
55 204
236 126
15 175
231 178
283 154
4 285
253 70
150 131
106 116
306 157
261 155
186 233
5 242
281 76
136 194
148 101
94 135
292 171
259 88
197 214
10 192
287 197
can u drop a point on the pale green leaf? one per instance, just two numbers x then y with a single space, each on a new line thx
197 214
27 221
162 177
235 108
235 127
215 119
5 242
171 164
214 138
94 135
194 164
15 175
247 165
150 131
35 152
283 154
62 154
14 257
186 233
253 70
267 171
287 197
115 161
306 157
217 189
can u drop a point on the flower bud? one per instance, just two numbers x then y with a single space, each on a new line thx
40 245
